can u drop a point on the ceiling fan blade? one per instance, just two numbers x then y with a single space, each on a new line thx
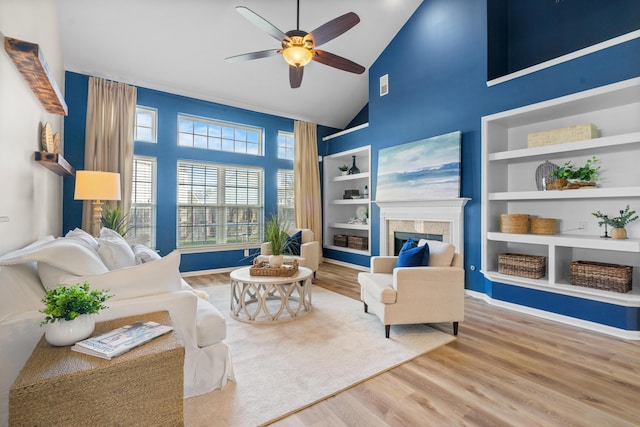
262 23
333 28
338 62
254 55
295 76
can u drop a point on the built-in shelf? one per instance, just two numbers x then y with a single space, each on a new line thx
29 60
360 201
347 226
585 193
361 175
569 240
54 162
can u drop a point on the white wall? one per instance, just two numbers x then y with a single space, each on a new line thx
30 195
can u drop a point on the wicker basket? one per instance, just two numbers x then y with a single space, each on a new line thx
514 223
559 136
599 275
357 242
543 226
261 268
531 266
340 240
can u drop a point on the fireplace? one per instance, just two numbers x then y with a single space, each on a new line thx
432 217
400 238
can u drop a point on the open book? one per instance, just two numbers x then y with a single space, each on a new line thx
121 340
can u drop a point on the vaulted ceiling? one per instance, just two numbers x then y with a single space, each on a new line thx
180 47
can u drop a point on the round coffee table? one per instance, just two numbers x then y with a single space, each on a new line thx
270 299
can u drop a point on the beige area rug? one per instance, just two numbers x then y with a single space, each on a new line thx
282 368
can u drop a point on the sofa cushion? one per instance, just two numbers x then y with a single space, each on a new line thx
413 256
143 253
379 286
210 324
159 276
20 289
440 253
114 250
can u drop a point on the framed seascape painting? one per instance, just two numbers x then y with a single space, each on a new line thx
419 170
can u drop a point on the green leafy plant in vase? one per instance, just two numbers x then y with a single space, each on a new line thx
617 223
276 236
344 169
115 219
68 312
569 176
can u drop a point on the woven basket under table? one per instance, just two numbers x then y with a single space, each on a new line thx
600 275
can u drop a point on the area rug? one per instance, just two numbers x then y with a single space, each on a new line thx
284 367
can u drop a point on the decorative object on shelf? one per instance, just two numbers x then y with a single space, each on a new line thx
69 312
56 143
362 212
344 169
530 266
54 162
354 169
30 62
543 225
358 242
261 268
514 223
276 235
340 240
543 175
365 193
599 275
47 139
429 166
571 177
617 223
562 135
348 194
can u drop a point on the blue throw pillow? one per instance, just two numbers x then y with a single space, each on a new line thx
413 256
293 244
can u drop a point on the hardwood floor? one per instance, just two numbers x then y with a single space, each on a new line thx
504 369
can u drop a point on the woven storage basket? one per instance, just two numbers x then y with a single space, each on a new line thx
599 275
340 240
543 226
531 266
357 242
514 223
559 136
261 268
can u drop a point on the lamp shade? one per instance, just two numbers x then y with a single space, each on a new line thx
297 56
96 185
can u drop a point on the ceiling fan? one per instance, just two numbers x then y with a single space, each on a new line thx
299 47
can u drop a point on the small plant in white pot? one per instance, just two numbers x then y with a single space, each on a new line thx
275 234
344 169
617 223
69 313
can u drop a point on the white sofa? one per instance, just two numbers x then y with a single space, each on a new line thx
150 284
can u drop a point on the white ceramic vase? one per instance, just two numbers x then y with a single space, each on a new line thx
276 261
67 332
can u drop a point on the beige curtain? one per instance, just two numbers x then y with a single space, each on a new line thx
111 109
306 179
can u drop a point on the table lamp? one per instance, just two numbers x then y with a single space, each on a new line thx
97 186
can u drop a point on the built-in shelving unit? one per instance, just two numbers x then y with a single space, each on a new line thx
509 186
339 213
54 162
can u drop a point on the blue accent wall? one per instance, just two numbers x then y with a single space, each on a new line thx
167 153
439 86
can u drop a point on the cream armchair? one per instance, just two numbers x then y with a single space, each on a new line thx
309 250
407 295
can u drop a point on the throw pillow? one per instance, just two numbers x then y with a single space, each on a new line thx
294 242
114 250
83 237
412 256
440 253
155 277
143 253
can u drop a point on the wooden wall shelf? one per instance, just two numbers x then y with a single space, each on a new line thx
54 162
30 62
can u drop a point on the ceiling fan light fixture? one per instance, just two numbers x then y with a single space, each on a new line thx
297 56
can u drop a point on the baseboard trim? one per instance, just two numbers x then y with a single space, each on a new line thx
572 321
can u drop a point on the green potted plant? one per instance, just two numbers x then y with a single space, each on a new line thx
68 312
617 223
115 219
585 175
276 236
344 169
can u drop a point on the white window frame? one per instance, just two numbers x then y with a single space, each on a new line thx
286 197
288 146
150 204
154 124
223 208
217 143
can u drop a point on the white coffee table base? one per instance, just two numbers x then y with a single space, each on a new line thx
270 299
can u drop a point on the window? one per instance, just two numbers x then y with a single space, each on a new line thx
285 145
286 211
219 204
212 135
145 128
142 217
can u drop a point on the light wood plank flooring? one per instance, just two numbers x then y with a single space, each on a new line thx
505 369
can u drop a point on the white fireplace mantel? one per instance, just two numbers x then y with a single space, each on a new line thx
440 210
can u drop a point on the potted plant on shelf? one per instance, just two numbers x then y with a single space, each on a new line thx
68 312
275 234
569 176
617 223
344 169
